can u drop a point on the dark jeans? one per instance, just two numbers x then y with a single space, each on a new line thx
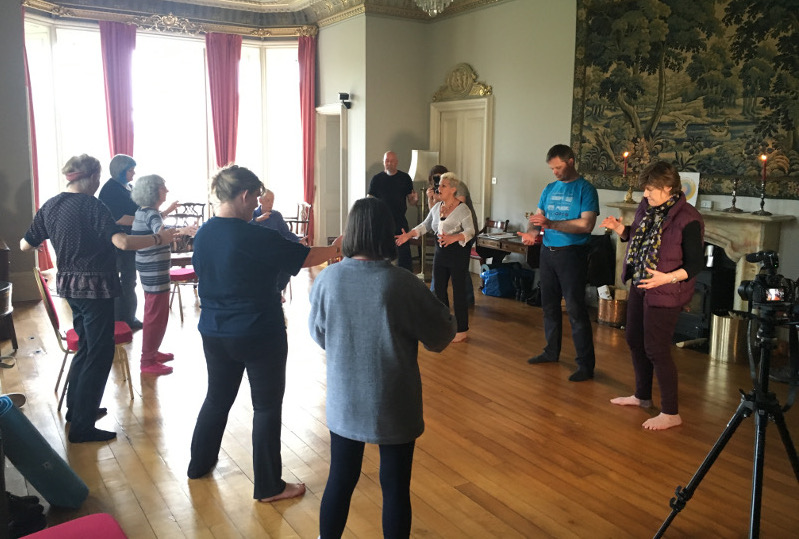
125 305
452 261
346 457
404 251
264 357
93 321
563 275
649 333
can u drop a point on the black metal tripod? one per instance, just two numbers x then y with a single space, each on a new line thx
763 403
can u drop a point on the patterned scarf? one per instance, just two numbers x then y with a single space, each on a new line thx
644 252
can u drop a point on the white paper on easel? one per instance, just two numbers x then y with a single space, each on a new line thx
690 186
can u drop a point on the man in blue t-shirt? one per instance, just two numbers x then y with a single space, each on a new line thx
566 213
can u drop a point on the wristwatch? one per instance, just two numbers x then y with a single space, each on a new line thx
673 279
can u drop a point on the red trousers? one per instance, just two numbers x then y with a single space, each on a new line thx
156 316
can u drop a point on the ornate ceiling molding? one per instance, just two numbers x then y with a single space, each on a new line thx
261 19
170 22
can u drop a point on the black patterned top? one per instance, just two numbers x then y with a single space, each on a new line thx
80 228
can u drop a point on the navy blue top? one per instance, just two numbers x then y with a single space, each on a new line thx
276 222
80 228
237 265
117 197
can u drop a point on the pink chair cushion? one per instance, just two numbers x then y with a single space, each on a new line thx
97 525
182 274
122 335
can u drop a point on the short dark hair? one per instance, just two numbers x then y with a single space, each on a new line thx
560 150
232 180
660 175
370 231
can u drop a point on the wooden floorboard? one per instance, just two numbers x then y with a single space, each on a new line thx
510 450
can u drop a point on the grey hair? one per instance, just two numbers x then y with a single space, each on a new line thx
452 179
85 169
145 190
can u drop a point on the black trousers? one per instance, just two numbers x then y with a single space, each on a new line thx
452 262
346 458
563 274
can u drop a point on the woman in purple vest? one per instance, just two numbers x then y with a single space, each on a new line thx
664 255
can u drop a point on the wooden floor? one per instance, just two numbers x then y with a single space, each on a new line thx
510 450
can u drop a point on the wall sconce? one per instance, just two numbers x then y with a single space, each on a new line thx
345 99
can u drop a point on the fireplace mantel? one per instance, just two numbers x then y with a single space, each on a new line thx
737 233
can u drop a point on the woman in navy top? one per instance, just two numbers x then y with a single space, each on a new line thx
242 326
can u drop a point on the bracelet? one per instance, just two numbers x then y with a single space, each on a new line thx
157 239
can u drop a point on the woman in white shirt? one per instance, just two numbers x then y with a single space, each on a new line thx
451 220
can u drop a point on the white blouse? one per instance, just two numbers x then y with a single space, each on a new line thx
459 221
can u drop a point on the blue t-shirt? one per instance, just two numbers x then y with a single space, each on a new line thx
237 265
562 201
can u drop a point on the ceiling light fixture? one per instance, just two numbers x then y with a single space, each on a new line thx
433 7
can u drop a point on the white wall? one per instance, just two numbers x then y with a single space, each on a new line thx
16 191
342 68
397 118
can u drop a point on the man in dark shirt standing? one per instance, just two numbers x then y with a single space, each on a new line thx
395 187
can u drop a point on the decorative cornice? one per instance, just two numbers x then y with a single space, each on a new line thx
170 23
248 18
344 15
462 83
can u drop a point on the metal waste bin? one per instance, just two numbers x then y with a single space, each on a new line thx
728 339
612 312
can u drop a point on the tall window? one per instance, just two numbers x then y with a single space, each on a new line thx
173 134
270 134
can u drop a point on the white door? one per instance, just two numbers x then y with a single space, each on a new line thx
330 201
463 134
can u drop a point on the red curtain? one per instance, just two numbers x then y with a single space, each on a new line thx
45 262
306 53
118 41
223 54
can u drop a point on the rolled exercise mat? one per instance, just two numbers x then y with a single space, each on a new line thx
30 453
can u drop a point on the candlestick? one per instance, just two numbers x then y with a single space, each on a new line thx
628 198
761 211
733 209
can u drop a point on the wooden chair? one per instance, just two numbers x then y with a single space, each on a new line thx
177 278
299 224
186 214
68 342
489 227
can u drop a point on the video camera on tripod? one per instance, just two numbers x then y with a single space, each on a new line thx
769 289
774 297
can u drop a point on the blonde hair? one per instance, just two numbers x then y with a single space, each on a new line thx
229 182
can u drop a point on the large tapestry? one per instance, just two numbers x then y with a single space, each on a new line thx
708 85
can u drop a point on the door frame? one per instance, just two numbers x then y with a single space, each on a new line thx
486 106
325 114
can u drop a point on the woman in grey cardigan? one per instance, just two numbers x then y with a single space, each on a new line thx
374 389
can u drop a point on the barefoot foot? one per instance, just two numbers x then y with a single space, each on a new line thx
662 422
292 490
461 336
632 400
